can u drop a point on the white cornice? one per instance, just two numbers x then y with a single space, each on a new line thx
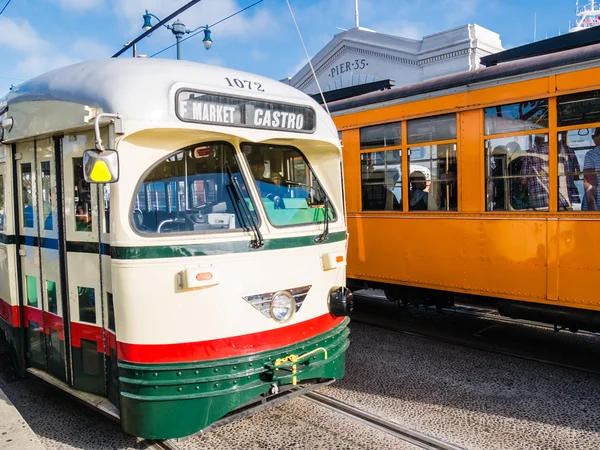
308 78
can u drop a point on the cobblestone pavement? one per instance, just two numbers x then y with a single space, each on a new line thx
471 398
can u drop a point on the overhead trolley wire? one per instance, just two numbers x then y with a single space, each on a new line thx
5 7
216 23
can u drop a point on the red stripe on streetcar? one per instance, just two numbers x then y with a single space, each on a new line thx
111 341
227 347
33 315
10 313
52 321
86 331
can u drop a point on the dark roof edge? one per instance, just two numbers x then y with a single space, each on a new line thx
515 68
567 41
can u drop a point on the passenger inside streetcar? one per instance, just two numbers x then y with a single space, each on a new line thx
419 200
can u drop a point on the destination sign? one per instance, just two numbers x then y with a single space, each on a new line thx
216 109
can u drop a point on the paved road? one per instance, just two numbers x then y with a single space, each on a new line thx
472 398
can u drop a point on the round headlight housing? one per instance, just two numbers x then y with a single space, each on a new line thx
283 306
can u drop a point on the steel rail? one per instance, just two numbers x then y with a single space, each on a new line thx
401 432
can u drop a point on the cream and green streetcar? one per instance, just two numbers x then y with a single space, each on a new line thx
172 240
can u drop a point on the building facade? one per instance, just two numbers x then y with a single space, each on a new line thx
360 55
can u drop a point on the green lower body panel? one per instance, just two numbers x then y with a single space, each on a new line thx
14 345
176 400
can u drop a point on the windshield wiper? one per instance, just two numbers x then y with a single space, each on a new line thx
235 191
325 234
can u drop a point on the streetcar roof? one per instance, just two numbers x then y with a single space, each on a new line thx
144 90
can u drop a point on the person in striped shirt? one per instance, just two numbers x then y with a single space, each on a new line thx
591 172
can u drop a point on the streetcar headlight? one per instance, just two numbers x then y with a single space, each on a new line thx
282 306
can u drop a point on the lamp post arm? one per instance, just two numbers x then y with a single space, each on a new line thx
196 29
159 20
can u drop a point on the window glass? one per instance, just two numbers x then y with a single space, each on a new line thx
87 304
32 291
106 198
517 173
192 191
288 187
51 294
433 178
2 205
429 129
83 198
56 347
578 109
530 115
381 180
579 169
27 191
377 136
90 362
46 195
111 311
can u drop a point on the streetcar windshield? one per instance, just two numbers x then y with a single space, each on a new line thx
287 185
191 191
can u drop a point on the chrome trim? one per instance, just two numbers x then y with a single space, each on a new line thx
262 302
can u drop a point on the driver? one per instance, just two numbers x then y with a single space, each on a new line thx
265 186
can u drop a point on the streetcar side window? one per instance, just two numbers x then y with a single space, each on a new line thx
433 164
83 198
381 180
198 189
377 136
46 195
579 152
517 173
2 205
289 189
525 116
27 188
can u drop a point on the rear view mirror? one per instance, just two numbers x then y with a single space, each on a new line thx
101 166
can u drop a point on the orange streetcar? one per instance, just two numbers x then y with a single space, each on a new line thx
485 184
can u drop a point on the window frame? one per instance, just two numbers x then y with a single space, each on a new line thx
456 141
236 155
398 148
557 176
336 216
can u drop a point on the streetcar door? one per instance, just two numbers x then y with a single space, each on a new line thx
51 262
40 259
87 283
30 256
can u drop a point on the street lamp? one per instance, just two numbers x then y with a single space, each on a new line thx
178 29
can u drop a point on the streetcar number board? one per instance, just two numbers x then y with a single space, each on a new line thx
202 107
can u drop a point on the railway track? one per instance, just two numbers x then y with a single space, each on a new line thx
398 431
483 313
152 444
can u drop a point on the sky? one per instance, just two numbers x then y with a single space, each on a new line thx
40 35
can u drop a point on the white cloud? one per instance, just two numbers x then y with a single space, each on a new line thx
33 54
90 49
20 36
214 61
258 55
78 5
